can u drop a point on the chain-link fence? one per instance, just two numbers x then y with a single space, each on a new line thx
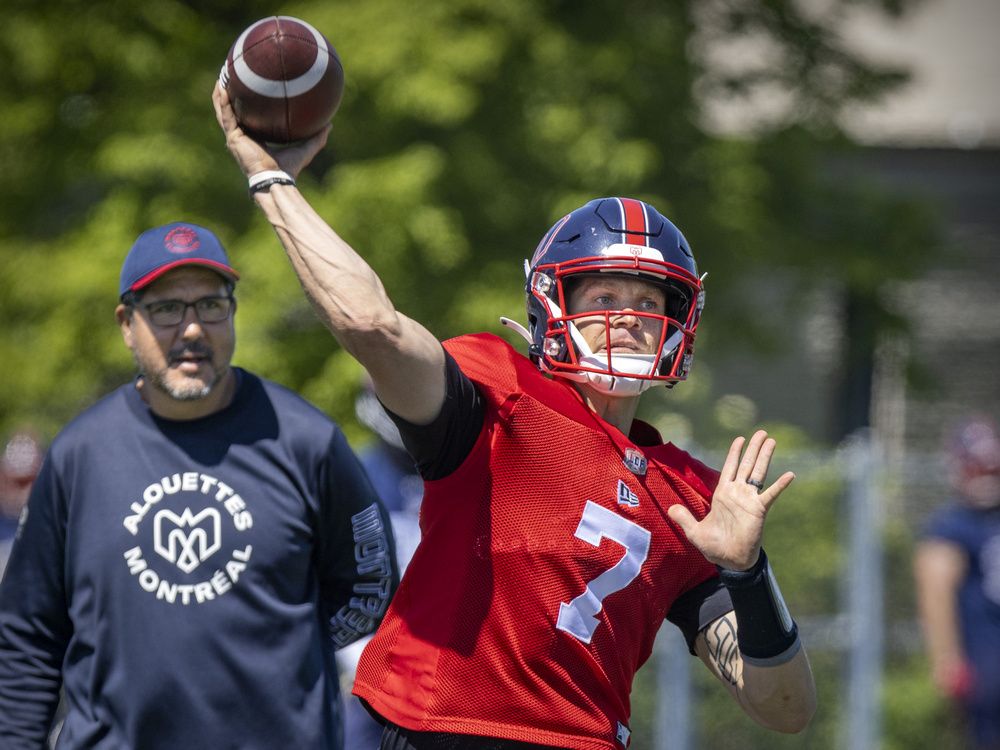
841 541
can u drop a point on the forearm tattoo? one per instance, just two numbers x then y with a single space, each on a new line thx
723 649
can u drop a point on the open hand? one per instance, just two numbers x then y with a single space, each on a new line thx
254 157
729 535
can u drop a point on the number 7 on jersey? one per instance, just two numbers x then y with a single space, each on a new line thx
579 617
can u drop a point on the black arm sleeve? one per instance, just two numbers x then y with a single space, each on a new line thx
356 550
440 447
695 610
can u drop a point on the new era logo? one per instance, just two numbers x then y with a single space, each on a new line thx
626 496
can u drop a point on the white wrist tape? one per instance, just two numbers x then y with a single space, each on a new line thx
262 181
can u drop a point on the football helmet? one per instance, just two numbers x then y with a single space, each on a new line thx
618 236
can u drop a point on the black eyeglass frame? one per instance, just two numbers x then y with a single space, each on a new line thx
228 298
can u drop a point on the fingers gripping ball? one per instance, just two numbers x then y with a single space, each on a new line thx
284 79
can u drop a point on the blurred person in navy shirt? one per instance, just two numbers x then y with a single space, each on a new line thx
957 569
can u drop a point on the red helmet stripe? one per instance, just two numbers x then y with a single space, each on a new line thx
636 226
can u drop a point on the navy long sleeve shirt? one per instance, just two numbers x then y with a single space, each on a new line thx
188 582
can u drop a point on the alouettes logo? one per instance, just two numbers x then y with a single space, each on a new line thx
191 542
187 540
181 240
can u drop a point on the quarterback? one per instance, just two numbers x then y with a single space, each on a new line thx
558 531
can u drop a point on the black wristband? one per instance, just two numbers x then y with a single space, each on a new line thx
766 632
265 185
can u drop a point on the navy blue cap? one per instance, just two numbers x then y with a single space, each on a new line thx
162 249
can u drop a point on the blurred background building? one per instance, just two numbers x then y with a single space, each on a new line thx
939 138
936 139
888 403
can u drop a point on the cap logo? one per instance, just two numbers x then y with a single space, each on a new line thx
181 240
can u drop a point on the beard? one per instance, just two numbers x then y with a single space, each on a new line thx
180 387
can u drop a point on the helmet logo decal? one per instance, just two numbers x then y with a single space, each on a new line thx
633 251
546 242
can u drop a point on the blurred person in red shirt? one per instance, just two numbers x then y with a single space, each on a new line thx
19 464
957 570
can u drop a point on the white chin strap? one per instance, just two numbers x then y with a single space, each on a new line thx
621 380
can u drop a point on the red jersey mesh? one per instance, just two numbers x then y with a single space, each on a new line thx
474 641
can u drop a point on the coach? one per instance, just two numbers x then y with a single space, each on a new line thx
197 543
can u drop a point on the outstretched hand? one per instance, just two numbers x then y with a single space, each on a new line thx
730 534
252 156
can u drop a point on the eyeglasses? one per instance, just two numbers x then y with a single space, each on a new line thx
170 312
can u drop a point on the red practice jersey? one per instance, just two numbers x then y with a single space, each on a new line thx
545 569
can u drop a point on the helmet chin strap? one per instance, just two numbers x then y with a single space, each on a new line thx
636 364
621 381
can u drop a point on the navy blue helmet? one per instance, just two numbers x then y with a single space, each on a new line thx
621 236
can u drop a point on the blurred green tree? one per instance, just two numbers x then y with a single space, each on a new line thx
467 127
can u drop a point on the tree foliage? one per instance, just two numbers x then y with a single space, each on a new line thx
467 128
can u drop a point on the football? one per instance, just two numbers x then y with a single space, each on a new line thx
284 79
